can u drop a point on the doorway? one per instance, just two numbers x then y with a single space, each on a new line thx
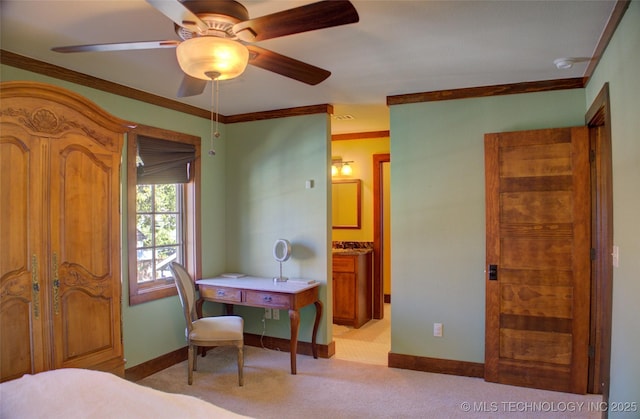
371 342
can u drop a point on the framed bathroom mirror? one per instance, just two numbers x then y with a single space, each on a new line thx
345 196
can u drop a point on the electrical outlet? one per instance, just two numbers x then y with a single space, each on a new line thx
437 329
276 314
267 313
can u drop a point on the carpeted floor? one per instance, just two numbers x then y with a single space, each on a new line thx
334 388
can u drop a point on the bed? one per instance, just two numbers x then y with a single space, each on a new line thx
78 393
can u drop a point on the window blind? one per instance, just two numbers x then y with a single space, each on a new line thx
163 161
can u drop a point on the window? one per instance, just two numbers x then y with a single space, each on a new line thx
163 169
159 226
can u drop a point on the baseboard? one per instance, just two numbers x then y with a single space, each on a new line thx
280 344
437 365
155 365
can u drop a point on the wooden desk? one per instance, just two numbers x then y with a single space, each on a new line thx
265 293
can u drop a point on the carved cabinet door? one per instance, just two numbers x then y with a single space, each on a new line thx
85 258
23 271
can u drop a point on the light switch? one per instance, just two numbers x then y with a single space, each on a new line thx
308 184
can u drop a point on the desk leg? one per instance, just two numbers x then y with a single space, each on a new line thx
294 321
316 325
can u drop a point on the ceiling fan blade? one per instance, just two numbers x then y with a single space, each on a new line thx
191 86
179 14
286 66
123 46
320 15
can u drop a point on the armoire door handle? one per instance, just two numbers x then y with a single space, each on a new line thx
35 285
56 285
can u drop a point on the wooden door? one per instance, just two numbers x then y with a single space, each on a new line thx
538 258
85 253
23 268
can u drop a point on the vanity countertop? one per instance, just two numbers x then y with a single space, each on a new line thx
351 252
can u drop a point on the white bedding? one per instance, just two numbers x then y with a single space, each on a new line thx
78 393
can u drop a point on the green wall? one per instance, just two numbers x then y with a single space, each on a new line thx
620 67
437 216
269 164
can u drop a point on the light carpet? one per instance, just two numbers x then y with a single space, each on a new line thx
334 388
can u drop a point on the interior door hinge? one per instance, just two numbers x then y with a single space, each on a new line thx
593 254
592 351
592 156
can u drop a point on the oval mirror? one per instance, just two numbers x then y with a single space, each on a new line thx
282 250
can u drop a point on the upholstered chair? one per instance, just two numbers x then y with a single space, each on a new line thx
207 331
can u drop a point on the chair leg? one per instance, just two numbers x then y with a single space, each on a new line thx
195 358
190 365
240 365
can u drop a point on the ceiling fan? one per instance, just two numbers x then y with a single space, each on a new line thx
212 29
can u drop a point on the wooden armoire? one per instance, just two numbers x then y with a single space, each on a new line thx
60 276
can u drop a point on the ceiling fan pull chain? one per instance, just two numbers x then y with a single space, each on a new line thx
212 152
217 133
214 105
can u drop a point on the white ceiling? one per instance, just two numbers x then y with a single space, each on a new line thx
398 47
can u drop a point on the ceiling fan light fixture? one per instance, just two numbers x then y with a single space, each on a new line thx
210 54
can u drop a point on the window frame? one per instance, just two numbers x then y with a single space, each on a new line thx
191 193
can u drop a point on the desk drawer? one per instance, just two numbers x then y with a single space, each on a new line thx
268 299
221 293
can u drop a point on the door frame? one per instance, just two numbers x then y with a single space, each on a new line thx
378 228
598 119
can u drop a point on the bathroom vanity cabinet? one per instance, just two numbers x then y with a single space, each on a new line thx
352 287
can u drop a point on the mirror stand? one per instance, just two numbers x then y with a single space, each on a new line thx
281 253
280 278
